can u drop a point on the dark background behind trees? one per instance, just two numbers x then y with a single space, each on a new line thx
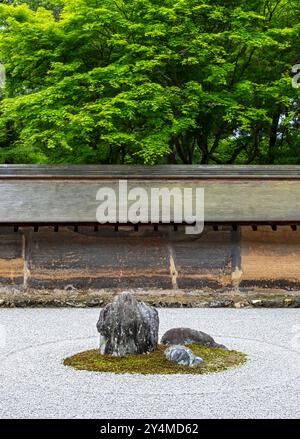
150 81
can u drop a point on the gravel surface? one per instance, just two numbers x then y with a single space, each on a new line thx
35 384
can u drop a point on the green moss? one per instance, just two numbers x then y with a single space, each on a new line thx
215 360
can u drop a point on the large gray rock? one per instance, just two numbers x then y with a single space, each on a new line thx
127 326
183 356
183 336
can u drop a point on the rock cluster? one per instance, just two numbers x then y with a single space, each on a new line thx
128 327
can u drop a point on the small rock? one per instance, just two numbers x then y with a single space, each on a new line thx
286 302
70 288
296 303
275 303
71 303
93 302
182 355
221 304
2 302
127 326
239 305
184 336
257 302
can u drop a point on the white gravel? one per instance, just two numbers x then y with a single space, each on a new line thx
35 384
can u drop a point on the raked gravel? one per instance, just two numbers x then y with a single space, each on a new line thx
35 384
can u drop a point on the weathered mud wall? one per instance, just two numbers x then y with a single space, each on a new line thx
270 259
145 258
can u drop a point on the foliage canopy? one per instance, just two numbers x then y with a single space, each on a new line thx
150 81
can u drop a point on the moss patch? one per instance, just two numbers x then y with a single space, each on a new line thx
215 360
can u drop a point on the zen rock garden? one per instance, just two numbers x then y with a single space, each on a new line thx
129 344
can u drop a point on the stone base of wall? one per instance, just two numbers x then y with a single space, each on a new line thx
18 298
84 266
